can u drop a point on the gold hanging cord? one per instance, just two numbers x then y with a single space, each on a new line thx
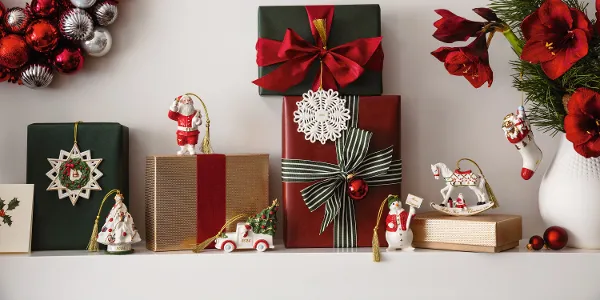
321 26
200 247
75 130
206 147
375 242
488 188
93 244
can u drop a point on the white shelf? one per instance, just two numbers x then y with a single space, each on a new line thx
301 274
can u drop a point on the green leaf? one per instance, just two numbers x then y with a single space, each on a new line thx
1 203
13 204
7 220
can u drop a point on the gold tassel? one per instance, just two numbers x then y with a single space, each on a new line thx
205 147
200 247
375 242
320 25
93 244
488 188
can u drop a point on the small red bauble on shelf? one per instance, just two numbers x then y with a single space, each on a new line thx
13 51
556 237
357 188
536 242
68 61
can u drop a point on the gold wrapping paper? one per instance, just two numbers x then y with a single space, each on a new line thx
171 196
479 233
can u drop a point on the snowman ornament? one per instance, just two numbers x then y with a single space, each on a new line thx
397 224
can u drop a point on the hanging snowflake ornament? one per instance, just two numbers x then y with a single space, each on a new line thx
74 174
322 116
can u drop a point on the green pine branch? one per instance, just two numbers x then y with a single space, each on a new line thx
13 204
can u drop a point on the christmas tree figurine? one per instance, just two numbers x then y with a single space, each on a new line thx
265 222
119 230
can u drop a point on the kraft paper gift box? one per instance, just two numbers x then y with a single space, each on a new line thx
189 198
379 115
348 26
57 223
479 233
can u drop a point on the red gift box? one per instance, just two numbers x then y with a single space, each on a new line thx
379 115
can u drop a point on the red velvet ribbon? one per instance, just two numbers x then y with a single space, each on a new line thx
342 64
210 195
68 168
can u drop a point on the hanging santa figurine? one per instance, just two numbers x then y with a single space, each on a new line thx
518 132
188 119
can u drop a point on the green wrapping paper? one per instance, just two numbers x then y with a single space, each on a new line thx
57 223
350 22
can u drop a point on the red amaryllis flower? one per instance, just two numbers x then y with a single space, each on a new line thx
557 37
471 61
582 124
452 28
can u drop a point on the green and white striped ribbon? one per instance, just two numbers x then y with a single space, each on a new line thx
352 148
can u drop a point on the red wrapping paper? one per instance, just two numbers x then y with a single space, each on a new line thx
377 114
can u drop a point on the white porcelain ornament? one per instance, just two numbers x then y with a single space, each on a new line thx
397 224
322 116
244 238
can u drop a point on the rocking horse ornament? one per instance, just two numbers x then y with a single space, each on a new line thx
459 178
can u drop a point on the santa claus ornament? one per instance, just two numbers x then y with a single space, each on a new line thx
517 131
188 120
74 173
460 179
397 224
118 232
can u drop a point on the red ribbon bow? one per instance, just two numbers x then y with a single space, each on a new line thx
342 64
68 168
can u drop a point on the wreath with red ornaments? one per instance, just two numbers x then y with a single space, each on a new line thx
49 36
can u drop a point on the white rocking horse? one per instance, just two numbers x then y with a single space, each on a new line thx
457 178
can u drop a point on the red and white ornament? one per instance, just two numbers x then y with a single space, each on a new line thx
518 132
119 231
397 224
188 119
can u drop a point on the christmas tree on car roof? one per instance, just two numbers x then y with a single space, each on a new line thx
265 222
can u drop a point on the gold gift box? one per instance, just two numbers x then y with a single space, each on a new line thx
480 233
171 201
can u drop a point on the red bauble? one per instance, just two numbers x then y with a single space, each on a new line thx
43 8
357 188
13 51
556 237
2 10
536 242
68 60
42 36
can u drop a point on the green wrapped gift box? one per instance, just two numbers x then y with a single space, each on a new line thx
67 223
349 24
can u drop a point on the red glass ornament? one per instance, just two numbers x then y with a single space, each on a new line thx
556 237
43 8
13 51
357 188
68 60
42 36
2 10
536 242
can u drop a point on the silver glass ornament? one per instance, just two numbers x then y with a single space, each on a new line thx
99 44
83 3
76 24
106 13
37 76
16 19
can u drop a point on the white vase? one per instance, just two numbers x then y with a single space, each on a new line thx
570 196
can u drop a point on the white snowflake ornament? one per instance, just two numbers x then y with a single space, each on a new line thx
322 116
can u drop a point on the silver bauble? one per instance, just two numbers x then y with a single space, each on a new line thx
76 24
99 44
16 19
106 13
37 76
83 3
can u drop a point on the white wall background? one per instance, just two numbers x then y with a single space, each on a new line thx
166 48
